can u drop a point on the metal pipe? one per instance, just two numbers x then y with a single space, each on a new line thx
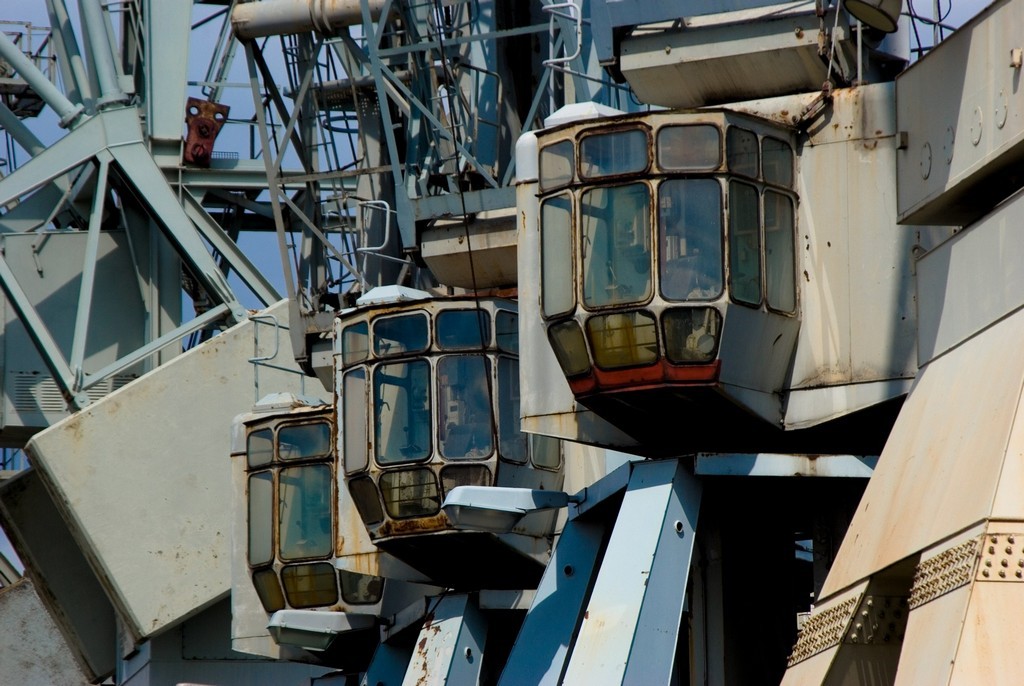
102 57
51 95
73 70
12 124
279 17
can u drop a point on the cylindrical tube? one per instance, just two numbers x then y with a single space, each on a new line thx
102 57
51 95
280 17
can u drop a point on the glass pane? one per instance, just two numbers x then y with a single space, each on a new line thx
259 448
410 493
310 585
690 235
623 340
619 152
546 452
464 475
353 400
778 162
779 251
506 327
261 518
741 151
396 335
268 589
556 165
511 440
364 494
744 244
401 392
304 499
355 343
556 255
304 440
465 426
690 148
616 245
463 329
360 589
570 347
691 335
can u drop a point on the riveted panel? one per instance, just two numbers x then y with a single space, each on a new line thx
942 573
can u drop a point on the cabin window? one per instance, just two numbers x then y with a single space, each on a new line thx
779 251
570 348
545 452
453 476
313 585
511 439
355 343
610 154
690 148
304 515
623 339
464 406
691 334
463 329
261 518
410 493
556 165
268 589
353 418
259 448
616 245
744 244
364 495
399 335
690 239
300 441
360 589
556 255
777 162
401 393
741 152
506 327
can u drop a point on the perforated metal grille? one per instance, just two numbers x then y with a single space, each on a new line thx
824 630
944 572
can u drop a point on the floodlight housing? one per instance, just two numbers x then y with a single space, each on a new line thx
498 509
883 15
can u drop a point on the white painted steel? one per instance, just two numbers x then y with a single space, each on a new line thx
119 485
961 110
280 17
945 456
960 293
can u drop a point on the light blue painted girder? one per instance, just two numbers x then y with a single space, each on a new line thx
630 628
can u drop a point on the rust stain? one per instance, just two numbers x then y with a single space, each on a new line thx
417 525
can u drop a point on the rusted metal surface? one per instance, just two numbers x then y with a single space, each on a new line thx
204 120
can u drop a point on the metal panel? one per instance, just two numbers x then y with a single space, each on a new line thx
962 147
942 458
35 651
960 294
70 591
629 630
935 626
450 647
989 648
854 263
163 558
48 268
